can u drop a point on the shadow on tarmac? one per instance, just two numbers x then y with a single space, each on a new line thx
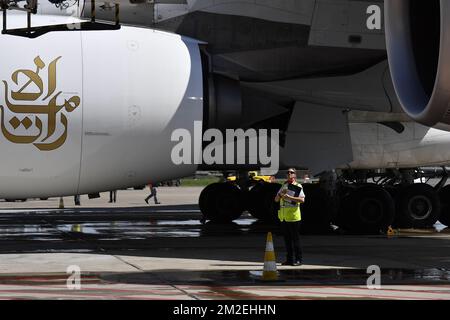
338 277
176 232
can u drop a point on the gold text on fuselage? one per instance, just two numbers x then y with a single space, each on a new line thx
42 113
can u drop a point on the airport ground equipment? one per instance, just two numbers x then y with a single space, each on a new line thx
253 175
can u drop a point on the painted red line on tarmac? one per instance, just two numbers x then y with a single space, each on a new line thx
358 288
252 296
43 284
162 292
378 296
355 294
44 278
169 289
68 294
231 294
106 289
306 287
74 296
153 298
217 294
400 290
166 292
247 295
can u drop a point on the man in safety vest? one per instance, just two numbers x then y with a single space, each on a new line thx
290 196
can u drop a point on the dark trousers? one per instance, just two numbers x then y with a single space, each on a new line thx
153 194
113 196
291 234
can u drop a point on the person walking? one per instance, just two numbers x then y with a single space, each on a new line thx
76 199
153 193
112 196
290 197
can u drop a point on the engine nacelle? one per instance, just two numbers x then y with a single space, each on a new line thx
84 112
418 45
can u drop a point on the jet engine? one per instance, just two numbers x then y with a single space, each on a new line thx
83 112
418 45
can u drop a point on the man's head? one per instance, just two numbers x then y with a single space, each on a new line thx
291 174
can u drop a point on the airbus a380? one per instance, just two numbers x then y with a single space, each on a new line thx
91 96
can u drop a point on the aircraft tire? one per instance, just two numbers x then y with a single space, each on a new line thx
417 206
254 195
369 209
318 211
261 204
221 202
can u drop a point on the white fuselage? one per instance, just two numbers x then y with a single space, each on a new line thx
376 146
84 112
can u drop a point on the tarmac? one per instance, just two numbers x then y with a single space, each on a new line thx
131 250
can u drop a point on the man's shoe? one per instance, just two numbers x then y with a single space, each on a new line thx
146 201
287 263
296 263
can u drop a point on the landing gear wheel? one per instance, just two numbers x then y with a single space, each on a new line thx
318 210
444 195
393 190
418 206
261 201
368 209
221 202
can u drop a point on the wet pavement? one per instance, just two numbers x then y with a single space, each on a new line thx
94 229
225 285
130 251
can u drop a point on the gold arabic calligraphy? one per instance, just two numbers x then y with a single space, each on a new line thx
32 90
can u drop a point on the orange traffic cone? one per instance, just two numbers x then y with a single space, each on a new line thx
390 232
270 265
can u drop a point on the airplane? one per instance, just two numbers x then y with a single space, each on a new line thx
94 90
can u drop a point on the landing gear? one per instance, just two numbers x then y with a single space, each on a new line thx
418 206
318 211
260 201
225 202
366 209
361 202
221 202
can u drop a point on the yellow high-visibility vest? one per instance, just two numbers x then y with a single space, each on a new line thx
289 212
